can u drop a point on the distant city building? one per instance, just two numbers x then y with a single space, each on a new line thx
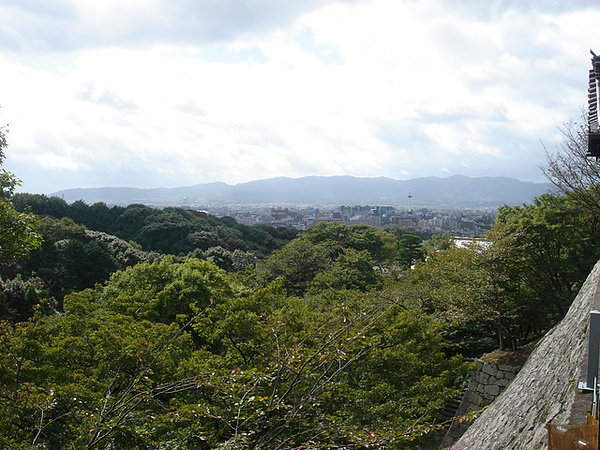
425 220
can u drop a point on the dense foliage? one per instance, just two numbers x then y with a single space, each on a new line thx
172 354
18 236
119 347
171 230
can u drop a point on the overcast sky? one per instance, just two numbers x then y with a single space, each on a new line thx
150 93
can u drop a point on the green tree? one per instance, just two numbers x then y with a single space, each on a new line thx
519 282
166 290
548 248
73 258
378 242
88 378
83 264
221 257
364 373
351 270
131 220
203 239
41 204
21 298
298 263
350 253
121 369
165 237
410 249
462 286
18 236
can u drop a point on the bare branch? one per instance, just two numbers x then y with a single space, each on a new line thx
571 171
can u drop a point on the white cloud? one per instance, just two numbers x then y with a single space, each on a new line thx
369 88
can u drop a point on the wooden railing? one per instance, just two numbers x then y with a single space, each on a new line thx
574 437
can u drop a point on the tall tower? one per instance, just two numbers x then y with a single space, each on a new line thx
593 124
410 196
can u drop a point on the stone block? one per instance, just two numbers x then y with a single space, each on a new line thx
501 376
503 382
473 384
490 369
477 402
492 389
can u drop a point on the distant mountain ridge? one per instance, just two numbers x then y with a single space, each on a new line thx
456 190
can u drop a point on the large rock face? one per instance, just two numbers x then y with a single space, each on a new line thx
545 390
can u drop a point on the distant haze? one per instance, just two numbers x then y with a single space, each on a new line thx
457 191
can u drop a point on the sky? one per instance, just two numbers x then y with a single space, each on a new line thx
167 93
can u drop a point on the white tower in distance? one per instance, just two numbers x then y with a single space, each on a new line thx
410 196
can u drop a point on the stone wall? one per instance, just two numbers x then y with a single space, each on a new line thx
488 381
546 388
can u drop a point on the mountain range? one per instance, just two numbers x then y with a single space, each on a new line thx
455 191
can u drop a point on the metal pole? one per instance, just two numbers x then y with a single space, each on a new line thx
593 349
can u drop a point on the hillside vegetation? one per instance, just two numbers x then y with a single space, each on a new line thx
141 328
